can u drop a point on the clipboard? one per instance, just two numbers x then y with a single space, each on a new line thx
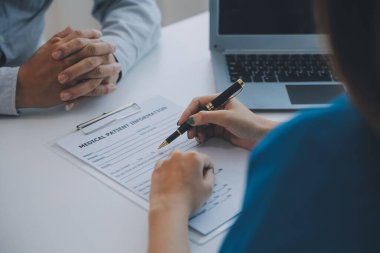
117 117
107 118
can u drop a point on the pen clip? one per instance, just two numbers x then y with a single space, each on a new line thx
237 93
99 122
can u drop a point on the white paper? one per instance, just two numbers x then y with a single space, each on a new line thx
126 151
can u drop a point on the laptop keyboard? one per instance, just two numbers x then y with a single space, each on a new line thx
279 68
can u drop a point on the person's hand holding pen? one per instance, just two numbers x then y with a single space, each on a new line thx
222 116
183 181
233 122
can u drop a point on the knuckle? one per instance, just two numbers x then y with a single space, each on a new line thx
94 93
200 117
91 62
78 33
99 91
107 90
68 61
112 48
92 50
55 40
105 59
79 43
104 90
99 71
189 157
176 154
158 168
156 173
64 49
193 154
95 32
115 70
195 100
94 84
109 48
161 165
90 94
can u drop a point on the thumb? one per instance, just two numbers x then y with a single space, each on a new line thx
208 173
208 177
209 117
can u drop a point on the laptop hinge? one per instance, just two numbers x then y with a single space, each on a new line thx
271 51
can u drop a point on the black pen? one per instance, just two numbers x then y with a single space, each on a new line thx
214 104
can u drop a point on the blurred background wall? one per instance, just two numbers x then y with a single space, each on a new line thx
77 13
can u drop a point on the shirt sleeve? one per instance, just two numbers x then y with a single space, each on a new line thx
8 86
133 25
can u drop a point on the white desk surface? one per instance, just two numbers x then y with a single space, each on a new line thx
49 205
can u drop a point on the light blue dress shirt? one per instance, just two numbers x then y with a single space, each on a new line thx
133 25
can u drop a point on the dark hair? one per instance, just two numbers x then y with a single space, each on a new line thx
354 29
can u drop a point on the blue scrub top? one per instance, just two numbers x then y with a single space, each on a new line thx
313 186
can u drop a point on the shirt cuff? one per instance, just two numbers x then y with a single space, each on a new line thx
8 87
121 72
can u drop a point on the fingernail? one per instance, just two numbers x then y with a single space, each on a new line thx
69 107
65 96
57 55
190 121
62 78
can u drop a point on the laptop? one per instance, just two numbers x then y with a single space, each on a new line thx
272 45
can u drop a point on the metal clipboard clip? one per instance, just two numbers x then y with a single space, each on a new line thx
108 118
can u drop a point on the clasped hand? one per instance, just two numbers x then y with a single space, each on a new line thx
71 65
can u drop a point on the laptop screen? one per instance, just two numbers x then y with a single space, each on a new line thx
266 17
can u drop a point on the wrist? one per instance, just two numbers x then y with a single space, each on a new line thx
262 125
168 208
21 91
168 229
267 127
161 210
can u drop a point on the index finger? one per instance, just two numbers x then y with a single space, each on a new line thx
66 49
194 105
87 34
64 33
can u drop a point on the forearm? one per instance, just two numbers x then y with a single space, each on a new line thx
133 25
168 232
8 85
